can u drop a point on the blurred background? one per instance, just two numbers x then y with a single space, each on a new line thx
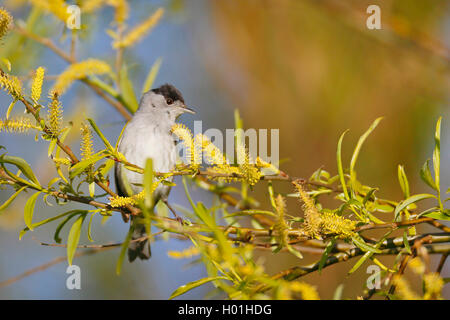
309 68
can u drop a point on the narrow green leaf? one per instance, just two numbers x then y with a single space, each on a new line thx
191 285
295 252
148 183
358 148
403 180
339 165
326 253
126 88
438 216
40 223
51 146
364 246
29 209
124 248
64 222
89 232
437 160
425 174
361 260
151 75
415 198
251 213
78 168
10 108
74 238
22 165
11 199
406 242
100 134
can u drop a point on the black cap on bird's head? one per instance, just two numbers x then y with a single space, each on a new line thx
166 98
169 92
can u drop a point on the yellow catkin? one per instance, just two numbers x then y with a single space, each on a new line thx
249 172
312 215
78 71
184 254
260 163
54 117
118 201
5 22
86 147
63 161
11 84
122 10
57 7
36 87
140 31
433 285
185 135
89 6
20 125
417 266
331 223
317 224
403 289
307 291
281 226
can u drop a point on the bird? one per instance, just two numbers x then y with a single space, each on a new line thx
148 135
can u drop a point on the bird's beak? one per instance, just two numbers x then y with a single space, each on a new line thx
188 110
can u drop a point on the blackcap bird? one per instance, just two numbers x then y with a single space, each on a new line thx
148 135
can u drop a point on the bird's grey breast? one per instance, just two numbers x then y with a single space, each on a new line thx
146 137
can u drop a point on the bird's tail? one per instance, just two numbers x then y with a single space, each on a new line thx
139 249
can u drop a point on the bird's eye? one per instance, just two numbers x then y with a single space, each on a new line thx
169 101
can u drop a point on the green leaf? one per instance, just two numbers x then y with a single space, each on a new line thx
358 148
78 168
251 213
89 232
151 75
339 165
438 216
40 223
364 246
326 253
29 209
191 285
11 199
124 248
64 222
415 198
425 174
148 183
74 238
52 146
107 166
10 108
361 260
437 159
126 88
295 252
403 180
22 165
100 134
406 242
